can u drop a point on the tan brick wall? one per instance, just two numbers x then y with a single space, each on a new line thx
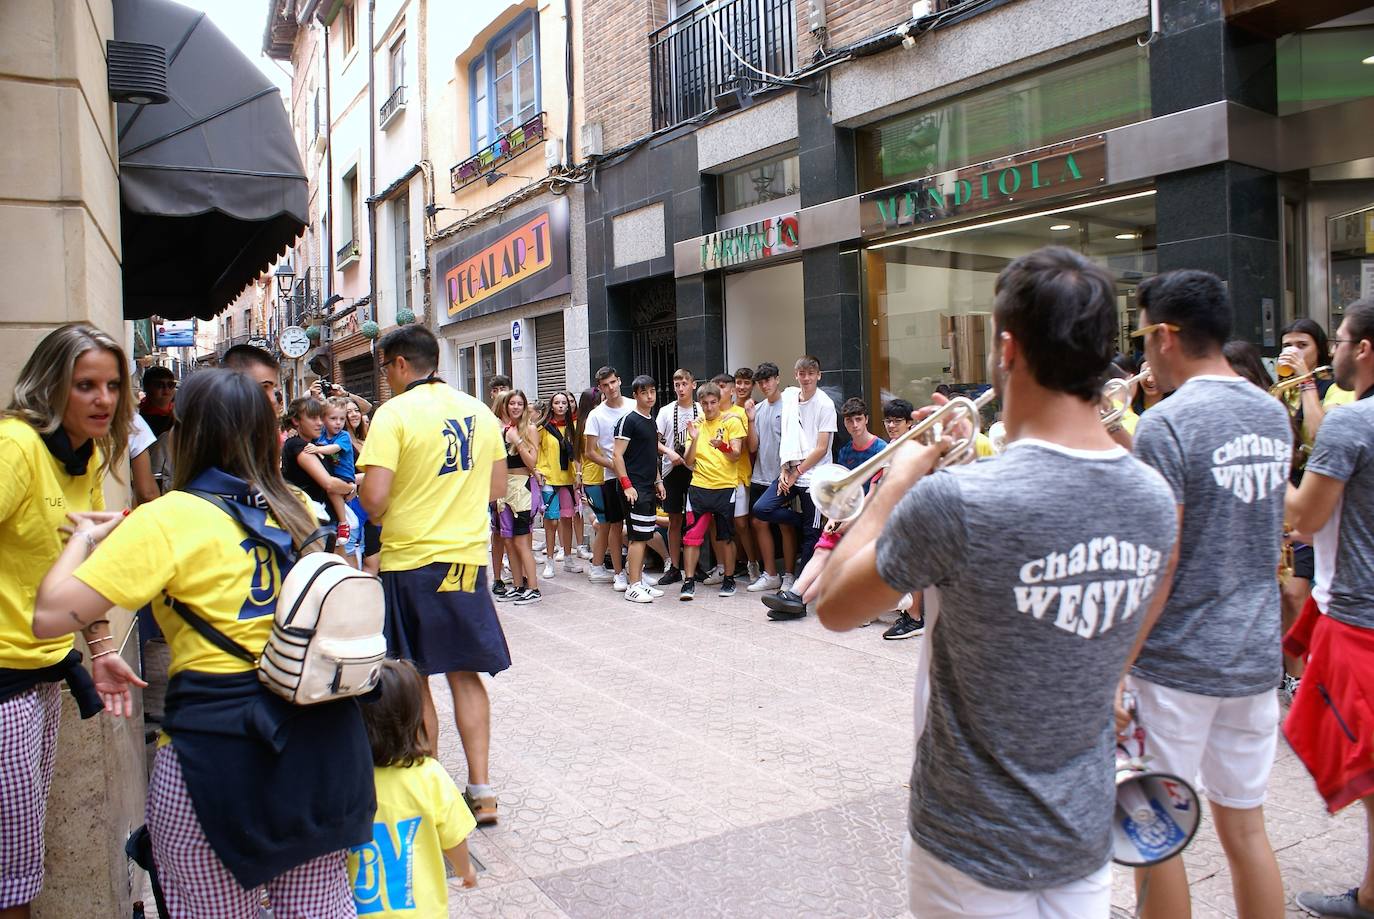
616 61
848 21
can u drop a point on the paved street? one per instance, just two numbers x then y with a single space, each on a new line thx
699 760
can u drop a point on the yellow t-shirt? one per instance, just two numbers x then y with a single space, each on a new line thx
746 464
200 556
547 466
36 494
1336 396
982 445
440 444
714 469
400 873
592 473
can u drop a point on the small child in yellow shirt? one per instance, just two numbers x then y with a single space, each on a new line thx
421 818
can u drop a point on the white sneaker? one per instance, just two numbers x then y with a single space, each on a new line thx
753 568
548 569
765 582
572 564
599 575
787 582
621 582
583 552
653 591
714 576
558 556
505 573
639 594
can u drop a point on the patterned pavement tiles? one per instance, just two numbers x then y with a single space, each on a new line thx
696 759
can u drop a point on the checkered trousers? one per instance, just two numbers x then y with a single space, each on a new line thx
196 883
28 740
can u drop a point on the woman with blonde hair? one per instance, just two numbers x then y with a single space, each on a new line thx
239 808
522 455
66 427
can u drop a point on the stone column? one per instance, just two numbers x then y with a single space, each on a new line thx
1222 218
833 306
59 255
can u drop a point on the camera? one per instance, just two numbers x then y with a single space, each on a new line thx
326 385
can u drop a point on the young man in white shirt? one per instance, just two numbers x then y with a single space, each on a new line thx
809 422
672 435
606 497
764 442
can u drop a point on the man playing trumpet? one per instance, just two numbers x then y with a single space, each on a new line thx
1046 559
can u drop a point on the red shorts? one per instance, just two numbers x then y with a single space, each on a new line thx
1331 723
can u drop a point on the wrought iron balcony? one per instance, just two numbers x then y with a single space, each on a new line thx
393 105
506 147
693 57
347 254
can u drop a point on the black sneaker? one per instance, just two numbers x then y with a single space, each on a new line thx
784 605
498 588
669 576
527 596
741 570
727 587
689 590
905 627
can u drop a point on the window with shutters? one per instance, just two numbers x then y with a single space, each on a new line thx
551 373
360 376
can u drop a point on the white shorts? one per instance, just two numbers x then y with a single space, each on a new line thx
936 890
1224 746
741 500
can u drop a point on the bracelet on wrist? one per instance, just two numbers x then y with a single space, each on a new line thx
104 654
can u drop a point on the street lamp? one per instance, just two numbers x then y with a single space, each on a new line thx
285 276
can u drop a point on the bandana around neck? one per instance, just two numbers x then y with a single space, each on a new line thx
75 460
254 517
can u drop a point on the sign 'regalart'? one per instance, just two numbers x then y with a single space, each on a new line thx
522 260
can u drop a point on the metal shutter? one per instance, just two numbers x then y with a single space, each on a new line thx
549 354
360 376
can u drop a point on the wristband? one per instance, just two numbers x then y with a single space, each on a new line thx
1308 386
722 446
625 482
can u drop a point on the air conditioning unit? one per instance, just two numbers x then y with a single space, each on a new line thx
553 153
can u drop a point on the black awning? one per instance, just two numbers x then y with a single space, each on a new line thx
211 186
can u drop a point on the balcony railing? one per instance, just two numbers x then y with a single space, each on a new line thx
690 58
506 147
393 104
347 254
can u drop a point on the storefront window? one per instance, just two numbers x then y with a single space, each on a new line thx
760 183
929 297
1067 102
467 370
1350 243
1323 67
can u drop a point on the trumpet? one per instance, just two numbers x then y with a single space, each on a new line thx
1116 397
1284 386
839 492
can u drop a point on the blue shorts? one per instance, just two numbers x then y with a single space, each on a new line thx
559 502
597 501
442 618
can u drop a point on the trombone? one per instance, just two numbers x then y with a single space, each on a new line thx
1283 386
839 492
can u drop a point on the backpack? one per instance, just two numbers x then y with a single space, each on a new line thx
327 637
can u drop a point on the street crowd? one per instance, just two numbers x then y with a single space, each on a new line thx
1141 559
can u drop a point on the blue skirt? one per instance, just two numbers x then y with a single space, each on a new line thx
442 618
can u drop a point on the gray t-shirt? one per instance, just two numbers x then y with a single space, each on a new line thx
1344 451
1225 448
1046 559
768 420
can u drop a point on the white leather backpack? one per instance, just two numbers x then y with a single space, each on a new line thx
327 637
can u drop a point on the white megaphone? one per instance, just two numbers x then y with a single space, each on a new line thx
1157 814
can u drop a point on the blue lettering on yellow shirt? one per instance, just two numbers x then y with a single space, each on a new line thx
386 867
262 587
458 444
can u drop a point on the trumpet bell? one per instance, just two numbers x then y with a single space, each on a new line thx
836 493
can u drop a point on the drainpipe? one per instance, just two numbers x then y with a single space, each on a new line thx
1154 25
328 168
568 73
426 167
371 161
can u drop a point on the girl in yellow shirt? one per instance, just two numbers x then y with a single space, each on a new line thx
234 810
559 470
66 426
522 455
